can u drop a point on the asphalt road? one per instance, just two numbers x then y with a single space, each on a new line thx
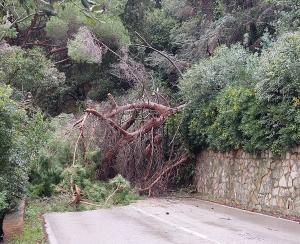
163 221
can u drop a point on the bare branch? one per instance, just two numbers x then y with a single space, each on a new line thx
131 121
159 52
183 158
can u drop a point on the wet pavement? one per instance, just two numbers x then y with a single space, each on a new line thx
169 221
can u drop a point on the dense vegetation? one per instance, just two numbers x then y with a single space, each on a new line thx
245 100
234 63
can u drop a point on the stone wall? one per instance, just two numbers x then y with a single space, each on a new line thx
257 182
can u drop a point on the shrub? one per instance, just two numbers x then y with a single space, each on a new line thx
278 73
46 172
240 100
207 78
224 133
57 28
116 191
83 48
111 31
48 160
289 15
65 23
31 71
13 173
107 28
158 26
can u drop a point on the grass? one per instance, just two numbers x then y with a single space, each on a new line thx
34 223
34 232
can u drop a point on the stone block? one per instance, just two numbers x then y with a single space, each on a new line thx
294 175
275 191
282 182
274 202
290 182
294 156
281 203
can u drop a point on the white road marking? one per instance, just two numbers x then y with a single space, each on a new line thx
195 233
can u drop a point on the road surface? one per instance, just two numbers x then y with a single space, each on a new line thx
168 221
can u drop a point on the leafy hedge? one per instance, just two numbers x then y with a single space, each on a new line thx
242 100
13 171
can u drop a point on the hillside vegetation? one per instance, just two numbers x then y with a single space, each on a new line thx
100 100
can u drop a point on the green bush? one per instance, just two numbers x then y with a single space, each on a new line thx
111 31
207 78
13 172
116 191
46 173
83 48
158 26
278 72
224 133
239 100
107 27
288 15
30 71
65 23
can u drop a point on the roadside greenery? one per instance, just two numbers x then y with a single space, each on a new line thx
34 230
242 100
241 83
13 173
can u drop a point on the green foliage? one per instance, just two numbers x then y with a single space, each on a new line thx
66 22
158 27
224 133
240 100
228 66
176 8
40 72
31 71
13 171
83 48
114 7
196 123
124 194
48 165
101 87
288 15
57 28
116 191
35 136
111 31
185 32
6 31
3 202
278 72
134 13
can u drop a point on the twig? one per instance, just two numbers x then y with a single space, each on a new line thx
111 195
159 52
62 61
181 160
80 135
